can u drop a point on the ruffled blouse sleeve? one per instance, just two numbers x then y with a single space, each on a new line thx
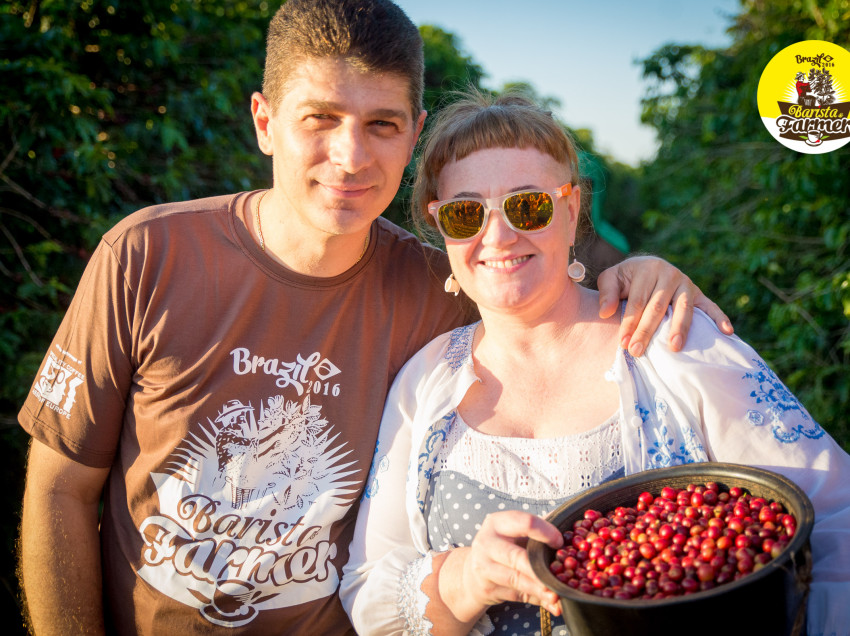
389 553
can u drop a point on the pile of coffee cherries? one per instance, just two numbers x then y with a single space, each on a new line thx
679 542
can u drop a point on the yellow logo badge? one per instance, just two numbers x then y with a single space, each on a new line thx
804 97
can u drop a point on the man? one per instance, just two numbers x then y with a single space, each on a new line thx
221 372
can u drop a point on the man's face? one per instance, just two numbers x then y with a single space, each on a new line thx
340 139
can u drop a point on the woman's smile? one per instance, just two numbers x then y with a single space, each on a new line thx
504 264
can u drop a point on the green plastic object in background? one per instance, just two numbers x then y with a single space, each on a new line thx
590 168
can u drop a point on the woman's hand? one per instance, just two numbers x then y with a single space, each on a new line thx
651 284
496 569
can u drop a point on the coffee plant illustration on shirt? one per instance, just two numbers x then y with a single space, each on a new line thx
285 442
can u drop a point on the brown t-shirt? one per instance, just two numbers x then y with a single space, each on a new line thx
237 404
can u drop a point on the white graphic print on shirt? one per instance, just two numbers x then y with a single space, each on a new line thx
245 510
57 383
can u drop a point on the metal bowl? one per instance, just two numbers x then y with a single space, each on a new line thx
771 600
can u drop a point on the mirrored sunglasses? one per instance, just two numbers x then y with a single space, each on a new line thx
525 211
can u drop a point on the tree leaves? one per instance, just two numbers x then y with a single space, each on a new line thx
106 107
762 229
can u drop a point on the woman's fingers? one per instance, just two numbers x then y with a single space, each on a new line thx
499 561
500 583
515 524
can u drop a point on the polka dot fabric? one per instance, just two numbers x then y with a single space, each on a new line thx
455 508
457 504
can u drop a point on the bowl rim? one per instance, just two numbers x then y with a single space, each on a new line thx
799 544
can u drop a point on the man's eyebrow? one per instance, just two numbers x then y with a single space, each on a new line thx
327 106
318 104
389 113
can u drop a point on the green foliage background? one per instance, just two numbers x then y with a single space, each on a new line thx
107 106
762 229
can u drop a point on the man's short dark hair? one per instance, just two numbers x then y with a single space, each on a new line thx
371 35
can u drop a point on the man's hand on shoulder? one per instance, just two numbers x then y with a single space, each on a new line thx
651 285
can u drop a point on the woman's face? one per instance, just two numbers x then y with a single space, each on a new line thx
503 270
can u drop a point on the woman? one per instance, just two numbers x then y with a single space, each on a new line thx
494 424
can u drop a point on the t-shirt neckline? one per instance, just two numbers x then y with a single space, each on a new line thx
239 209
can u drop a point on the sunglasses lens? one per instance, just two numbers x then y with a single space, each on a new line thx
529 211
461 219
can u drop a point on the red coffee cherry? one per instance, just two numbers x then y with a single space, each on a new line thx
680 542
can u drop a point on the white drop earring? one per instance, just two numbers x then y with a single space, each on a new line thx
452 286
576 270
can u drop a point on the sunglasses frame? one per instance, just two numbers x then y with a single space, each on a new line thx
498 203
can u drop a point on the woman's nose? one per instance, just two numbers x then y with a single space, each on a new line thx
496 231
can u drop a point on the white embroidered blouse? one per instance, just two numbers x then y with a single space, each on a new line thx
714 401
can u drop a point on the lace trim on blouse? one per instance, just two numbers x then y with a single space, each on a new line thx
547 468
412 601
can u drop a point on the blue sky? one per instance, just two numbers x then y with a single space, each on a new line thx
562 46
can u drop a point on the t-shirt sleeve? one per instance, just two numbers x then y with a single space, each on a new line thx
76 402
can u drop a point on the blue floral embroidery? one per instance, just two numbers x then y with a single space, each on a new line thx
755 418
660 453
433 441
642 412
691 450
379 465
780 403
660 407
460 343
664 452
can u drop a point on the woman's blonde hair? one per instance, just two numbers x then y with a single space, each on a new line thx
478 121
